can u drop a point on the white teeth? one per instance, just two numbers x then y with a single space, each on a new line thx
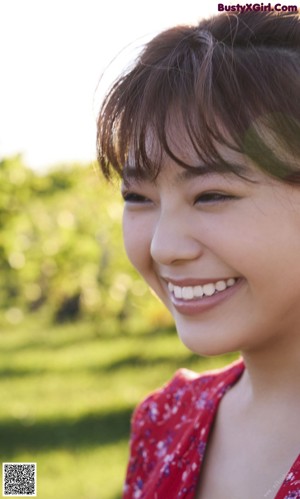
187 293
230 282
220 285
191 292
198 291
177 292
209 289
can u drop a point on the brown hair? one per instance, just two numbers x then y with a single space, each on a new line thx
233 79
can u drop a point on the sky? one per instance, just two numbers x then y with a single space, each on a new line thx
52 55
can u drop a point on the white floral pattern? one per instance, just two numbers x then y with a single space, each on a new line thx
170 430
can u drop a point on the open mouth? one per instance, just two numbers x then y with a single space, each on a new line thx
197 292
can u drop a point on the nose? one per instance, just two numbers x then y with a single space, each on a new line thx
174 240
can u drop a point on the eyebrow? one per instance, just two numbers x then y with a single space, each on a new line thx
208 170
131 173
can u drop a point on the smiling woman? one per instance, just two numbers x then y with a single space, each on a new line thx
204 132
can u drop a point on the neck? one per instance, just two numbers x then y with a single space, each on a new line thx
273 374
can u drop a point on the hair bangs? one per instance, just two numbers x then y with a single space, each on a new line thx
211 85
174 92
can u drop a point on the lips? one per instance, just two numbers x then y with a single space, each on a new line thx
192 297
198 291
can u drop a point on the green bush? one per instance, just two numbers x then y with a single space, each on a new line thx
61 248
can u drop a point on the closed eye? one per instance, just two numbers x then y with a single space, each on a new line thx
214 197
132 197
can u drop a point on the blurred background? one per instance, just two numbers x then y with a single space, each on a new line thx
82 339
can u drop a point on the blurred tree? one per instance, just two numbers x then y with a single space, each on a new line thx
61 247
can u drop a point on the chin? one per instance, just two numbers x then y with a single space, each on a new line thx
208 346
208 351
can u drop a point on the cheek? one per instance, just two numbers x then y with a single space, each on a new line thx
137 241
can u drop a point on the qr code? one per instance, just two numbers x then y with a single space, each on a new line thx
19 479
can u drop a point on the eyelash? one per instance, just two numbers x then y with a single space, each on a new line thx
206 197
132 197
213 197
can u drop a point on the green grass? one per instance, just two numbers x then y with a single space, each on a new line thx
67 396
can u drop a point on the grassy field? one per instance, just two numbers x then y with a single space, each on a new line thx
67 396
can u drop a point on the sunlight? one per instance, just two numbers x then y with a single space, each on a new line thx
55 54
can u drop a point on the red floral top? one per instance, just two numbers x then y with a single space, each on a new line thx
170 430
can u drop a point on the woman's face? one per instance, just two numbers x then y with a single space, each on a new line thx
222 253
